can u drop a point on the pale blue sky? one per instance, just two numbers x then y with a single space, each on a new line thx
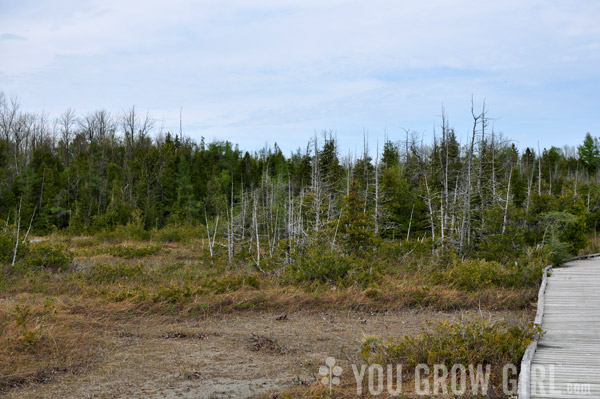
266 71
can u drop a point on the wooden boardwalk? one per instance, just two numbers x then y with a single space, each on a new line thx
566 363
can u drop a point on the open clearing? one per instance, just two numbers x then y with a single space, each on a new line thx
230 355
143 319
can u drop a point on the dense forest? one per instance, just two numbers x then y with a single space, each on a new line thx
484 197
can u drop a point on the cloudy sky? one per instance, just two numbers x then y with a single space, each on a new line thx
265 71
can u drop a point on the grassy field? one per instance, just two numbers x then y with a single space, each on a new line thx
73 305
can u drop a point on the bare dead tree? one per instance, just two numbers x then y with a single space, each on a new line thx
430 206
481 147
257 236
507 201
40 134
446 161
539 155
493 149
9 111
529 187
135 127
211 240
365 158
317 185
104 124
410 222
376 214
66 124
230 228
87 126
465 232
30 224
21 131
18 221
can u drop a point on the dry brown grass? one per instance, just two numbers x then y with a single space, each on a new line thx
147 355
42 337
62 323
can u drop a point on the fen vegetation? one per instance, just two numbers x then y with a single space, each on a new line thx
106 175
146 219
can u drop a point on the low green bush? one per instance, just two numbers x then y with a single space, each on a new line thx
318 265
173 294
7 247
178 233
500 247
46 256
133 230
559 252
472 274
526 271
125 233
113 273
459 342
169 234
392 250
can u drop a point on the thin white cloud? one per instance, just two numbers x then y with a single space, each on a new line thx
324 64
10 36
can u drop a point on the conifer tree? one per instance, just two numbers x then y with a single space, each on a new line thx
356 226
589 153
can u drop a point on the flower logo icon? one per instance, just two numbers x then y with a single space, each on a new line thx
330 373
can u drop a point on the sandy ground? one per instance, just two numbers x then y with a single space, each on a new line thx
228 356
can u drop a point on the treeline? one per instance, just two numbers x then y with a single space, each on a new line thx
93 173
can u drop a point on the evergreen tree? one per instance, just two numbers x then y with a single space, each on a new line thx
356 225
187 206
589 153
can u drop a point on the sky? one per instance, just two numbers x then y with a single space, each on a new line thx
257 72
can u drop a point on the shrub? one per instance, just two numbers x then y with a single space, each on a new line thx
178 233
501 247
473 274
7 246
326 266
565 228
29 341
47 256
460 342
525 273
232 283
111 273
574 234
172 294
409 253
169 234
134 229
559 252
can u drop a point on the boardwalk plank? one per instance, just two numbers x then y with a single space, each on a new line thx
566 363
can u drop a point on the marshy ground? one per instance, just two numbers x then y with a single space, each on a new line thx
147 319
251 354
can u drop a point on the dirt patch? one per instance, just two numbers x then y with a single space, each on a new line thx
260 343
182 335
229 356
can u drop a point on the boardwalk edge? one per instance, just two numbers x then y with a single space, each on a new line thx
525 374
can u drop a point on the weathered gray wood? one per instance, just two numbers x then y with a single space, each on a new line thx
565 361
524 382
